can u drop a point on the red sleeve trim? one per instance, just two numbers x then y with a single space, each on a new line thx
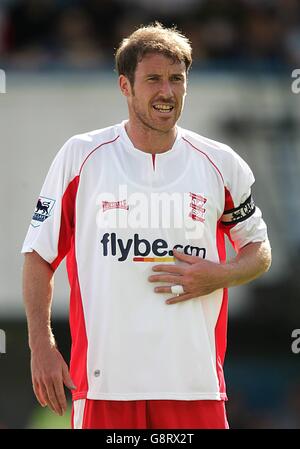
67 223
229 204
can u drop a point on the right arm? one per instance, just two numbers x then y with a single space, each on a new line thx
48 369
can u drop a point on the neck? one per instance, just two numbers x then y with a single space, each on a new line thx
149 140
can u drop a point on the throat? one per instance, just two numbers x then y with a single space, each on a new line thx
150 140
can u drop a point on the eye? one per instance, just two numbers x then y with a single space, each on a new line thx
177 78
153 78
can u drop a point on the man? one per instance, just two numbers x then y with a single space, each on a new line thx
141 209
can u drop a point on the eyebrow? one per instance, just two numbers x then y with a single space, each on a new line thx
172 74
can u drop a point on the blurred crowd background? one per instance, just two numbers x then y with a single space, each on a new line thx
39 33
240 93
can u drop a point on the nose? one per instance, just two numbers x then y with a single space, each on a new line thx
166 89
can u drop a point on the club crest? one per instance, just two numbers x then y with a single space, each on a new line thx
197 209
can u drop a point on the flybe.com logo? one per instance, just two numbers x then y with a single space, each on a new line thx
141 250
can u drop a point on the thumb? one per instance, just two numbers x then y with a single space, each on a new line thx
67 379
185 257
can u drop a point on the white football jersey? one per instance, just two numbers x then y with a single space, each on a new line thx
115 212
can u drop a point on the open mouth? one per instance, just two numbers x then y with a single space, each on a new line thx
164 108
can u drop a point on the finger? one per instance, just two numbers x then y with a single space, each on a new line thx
67 379
40 391
39 394
163 289
53 402
185 257
60 395
171 279
44 394
180 298
176 269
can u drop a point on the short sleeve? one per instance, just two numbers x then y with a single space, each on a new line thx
52 224
242 219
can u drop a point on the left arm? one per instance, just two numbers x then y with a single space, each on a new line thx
202 277
251 262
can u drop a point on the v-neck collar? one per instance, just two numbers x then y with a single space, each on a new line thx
142 154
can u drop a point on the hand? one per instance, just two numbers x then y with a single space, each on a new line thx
197 276
49 375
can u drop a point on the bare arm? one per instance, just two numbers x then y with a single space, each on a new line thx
251 262
201 277
49 370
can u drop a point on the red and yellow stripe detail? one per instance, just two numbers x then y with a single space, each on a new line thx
153 259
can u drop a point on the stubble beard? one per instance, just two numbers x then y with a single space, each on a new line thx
146 122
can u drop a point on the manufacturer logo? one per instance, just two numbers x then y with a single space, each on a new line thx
107 205
42 211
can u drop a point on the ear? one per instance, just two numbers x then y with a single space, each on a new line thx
125 85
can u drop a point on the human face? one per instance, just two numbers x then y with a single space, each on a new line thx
156 99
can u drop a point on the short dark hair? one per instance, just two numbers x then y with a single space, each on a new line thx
154 38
